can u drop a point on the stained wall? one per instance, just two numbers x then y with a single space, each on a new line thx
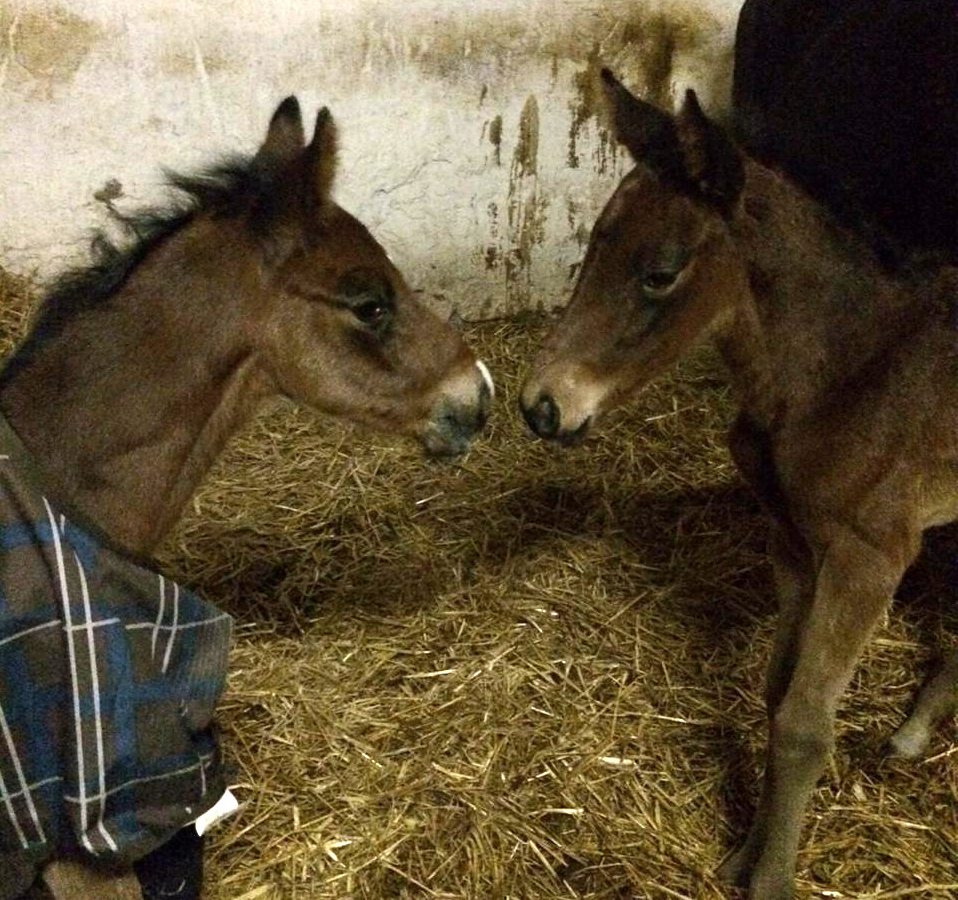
469 143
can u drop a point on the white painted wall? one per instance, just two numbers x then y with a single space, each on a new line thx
467 144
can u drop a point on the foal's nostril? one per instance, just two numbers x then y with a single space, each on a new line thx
543 418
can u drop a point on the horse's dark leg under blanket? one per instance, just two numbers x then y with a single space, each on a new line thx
171 872
175 870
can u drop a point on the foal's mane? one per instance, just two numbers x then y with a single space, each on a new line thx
224 189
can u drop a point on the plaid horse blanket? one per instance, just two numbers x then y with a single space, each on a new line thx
109 675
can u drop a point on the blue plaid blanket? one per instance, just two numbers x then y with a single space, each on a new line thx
109 675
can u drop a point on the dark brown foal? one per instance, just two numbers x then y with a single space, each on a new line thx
847 383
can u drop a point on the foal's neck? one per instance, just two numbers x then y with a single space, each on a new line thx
819 308
126 405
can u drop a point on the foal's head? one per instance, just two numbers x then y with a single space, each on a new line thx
660 269
339 328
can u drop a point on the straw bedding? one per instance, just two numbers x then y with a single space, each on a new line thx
535 672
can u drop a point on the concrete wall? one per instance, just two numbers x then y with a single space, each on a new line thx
468 143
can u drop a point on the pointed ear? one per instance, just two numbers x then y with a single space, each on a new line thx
647 132
689 149
711 161
284 137
321 156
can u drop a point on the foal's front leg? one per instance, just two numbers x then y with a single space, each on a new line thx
794 577
854 586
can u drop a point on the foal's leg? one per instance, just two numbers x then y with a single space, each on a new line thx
72 880
937 699
853 588
794 587
794 574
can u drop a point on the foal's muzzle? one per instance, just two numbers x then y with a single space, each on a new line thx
545 418
459 416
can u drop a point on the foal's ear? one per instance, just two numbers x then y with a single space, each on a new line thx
710 159
647 132
321 155
689 149
284 137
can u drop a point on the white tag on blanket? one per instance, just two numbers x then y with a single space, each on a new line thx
224 807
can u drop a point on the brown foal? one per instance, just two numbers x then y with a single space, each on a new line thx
847 384
139 368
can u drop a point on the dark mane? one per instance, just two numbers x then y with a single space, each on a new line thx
226 189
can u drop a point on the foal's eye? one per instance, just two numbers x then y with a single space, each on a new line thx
659 282
372 312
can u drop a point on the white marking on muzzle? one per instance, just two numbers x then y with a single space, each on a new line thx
486 377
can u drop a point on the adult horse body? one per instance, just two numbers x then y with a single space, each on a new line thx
132 379
858 102
847 384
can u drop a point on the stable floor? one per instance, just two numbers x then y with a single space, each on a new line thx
534 672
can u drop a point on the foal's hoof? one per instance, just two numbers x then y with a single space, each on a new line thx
910 741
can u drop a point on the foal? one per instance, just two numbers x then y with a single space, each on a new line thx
134 376
847 384
139 369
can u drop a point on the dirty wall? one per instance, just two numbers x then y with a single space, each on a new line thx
468 142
